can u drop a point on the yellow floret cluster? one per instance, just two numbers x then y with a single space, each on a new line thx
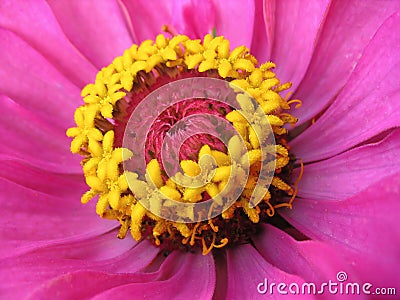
93 136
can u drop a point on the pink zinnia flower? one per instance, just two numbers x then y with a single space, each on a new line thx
343 60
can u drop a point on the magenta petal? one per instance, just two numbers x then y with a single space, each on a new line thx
46 182
319 262
268 10
297 25
34 140
235 21
330 179
185 22
262 37
181 276
367 222
105 249
247 269
36 24
97 28
30 215
379 270
148 17
221 273
348 28
51 270
194 18
368 104
35 83
313 261
80 284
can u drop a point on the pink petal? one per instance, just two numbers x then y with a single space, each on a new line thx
235 21
264 24
30 215
14 248
80 284
181 276
349 27
46 182
178 13
313 261
317 262
97 28
34 22
379 270
368 104
247 269
329 179
94 249
185 22
366 223
297 27
52 270
269 9
35 84
30 139
148 17
221 271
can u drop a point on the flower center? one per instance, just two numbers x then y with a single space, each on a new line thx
166 202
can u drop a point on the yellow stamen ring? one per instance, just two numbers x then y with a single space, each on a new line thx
102 163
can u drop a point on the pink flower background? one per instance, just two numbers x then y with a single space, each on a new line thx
343 58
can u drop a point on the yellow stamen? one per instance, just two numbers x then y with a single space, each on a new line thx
124 229
296 184
206 249
194 233
154 171
190 168
131 73
213 227
224 242
138 213
299 102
